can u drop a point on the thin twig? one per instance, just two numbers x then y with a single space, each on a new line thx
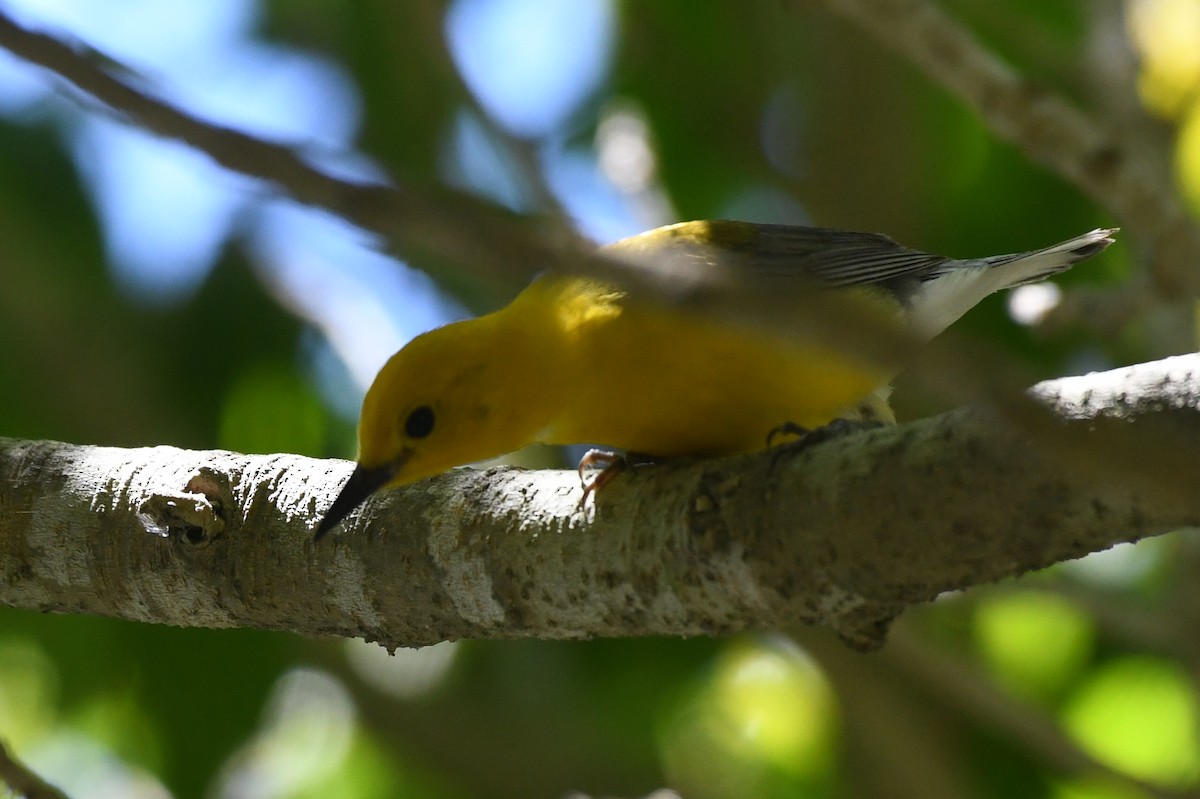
481 237
24 782
1115 171
502 246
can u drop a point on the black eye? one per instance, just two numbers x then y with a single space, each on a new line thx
420 422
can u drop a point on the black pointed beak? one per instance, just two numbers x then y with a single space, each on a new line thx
363 483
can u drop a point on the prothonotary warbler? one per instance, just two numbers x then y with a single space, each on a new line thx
572 360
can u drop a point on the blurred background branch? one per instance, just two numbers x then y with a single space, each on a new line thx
23 782
1108 157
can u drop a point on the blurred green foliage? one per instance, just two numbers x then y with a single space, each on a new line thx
750 105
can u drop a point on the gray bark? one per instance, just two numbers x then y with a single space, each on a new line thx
845 534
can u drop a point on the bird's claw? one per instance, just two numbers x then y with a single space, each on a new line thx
786 429
808 437
610 465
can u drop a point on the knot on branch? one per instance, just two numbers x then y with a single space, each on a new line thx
194 515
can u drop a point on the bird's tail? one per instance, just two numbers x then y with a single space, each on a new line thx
956 286
1018 269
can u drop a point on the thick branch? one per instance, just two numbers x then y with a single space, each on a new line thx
845 534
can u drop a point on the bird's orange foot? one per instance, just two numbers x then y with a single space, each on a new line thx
610 465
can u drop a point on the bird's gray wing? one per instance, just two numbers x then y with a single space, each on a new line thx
842 257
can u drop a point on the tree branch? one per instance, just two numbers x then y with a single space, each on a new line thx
23 782
1114 170
503 246
845 534
484 239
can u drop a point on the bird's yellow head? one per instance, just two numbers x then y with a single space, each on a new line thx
438 403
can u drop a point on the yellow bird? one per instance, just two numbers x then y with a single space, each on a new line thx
572 360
